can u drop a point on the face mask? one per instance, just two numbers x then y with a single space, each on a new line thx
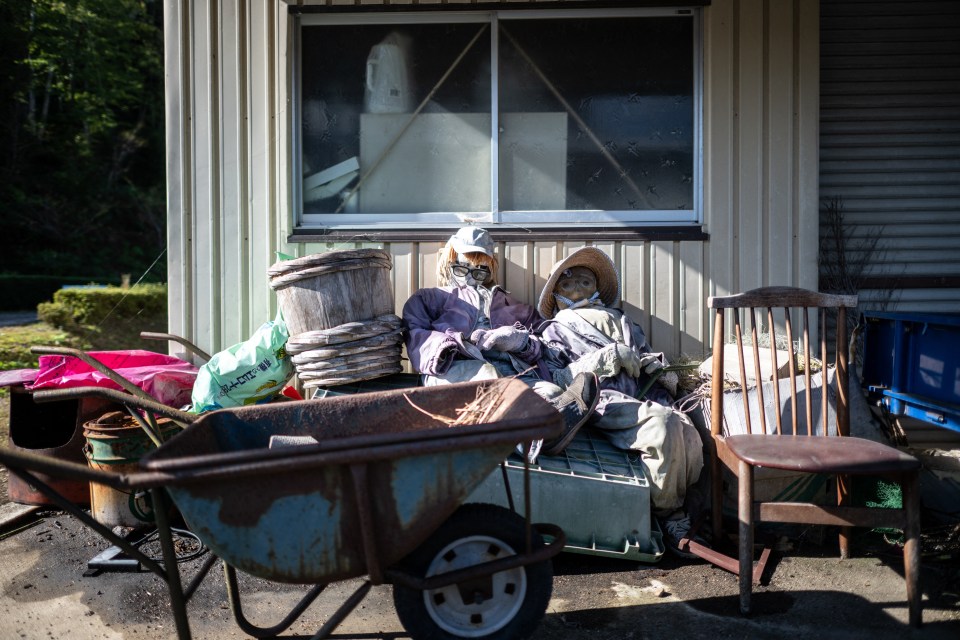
567 303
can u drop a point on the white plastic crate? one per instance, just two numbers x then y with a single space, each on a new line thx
595 492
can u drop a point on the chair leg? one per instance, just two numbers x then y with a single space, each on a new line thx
911 547
843 499
716 493
745 511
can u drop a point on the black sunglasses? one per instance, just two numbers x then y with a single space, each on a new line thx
478 273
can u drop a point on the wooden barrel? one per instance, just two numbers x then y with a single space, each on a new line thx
329 289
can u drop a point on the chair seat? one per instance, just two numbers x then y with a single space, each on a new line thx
819 454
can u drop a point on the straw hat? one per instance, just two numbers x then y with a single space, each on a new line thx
608 282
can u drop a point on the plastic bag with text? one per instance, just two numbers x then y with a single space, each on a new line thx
250 372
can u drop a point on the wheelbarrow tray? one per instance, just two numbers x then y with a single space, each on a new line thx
381 478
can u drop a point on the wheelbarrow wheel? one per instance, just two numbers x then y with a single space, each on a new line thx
503 606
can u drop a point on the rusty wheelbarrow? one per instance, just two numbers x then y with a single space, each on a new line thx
377 492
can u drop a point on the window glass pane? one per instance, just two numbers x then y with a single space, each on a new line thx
395 118
596 114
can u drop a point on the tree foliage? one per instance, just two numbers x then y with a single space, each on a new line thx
82 163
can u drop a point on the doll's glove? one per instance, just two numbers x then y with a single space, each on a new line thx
650 363
605 362
509 339
628 360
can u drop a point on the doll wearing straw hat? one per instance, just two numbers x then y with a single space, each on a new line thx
583 332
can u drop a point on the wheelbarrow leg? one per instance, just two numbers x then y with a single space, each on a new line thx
233 593
178 604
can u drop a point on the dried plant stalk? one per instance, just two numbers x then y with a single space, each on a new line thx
477 411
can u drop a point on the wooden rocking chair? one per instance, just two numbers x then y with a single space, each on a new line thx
777 442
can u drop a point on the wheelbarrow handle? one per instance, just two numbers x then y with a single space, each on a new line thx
119 397
96 364
150 335
33 463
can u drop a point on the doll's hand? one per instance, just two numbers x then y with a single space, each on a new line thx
635 364
650 363
608 361
509 339
629 361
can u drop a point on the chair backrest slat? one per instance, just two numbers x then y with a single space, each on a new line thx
716 373
808 397
823 358
792 302
756 368
743 372
774 366
792 364
843 415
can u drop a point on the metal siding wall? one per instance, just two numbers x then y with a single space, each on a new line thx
761 79
206 193
230 200
720 128
806 130
232 153
177 114
222 158
751 113
890 139
260 164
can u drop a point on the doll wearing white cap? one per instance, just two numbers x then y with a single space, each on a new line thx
469 328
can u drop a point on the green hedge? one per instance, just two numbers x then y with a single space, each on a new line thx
24 293
72 307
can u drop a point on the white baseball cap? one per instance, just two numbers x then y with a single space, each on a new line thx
471 240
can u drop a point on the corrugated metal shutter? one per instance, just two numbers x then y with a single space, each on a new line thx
890 146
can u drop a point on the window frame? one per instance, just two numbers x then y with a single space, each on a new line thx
624 220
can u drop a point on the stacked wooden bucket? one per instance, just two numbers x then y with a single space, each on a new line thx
338 307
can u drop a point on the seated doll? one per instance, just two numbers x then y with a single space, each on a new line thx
469 328
584 333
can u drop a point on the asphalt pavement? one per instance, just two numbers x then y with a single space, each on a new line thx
17 318
46 591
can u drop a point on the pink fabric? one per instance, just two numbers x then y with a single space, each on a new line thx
167 379
14 377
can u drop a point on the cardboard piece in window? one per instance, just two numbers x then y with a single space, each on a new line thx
441 162
331 180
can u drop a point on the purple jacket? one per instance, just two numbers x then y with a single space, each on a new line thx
438 320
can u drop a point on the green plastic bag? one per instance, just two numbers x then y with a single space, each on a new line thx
250 372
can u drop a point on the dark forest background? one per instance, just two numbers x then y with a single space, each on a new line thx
82 139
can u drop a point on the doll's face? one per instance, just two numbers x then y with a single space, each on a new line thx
576 284
471 269
465 269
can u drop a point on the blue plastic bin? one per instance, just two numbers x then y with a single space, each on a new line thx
911 362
